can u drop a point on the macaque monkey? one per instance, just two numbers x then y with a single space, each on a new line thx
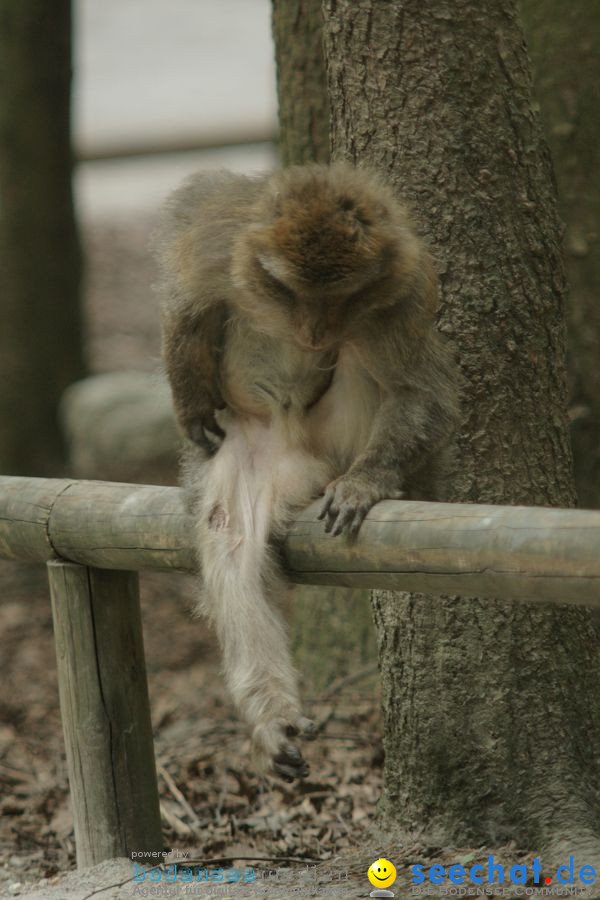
299 339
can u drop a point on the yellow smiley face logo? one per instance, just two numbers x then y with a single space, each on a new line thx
381 873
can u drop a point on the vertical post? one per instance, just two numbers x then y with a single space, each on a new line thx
105 711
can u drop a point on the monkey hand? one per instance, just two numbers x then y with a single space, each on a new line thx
204 430
275 751
348 499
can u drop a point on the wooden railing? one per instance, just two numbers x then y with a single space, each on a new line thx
95 536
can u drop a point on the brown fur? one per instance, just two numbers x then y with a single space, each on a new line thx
298 323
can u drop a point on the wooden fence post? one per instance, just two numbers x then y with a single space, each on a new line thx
105 711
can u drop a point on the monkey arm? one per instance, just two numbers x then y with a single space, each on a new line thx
192 347
417 413
404 432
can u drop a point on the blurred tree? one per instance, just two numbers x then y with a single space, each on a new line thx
327 642
564 38
491 709
301 82
40 320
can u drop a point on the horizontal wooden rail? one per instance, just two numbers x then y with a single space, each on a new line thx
524 553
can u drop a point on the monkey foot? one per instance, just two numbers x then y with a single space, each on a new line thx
286 761
348 500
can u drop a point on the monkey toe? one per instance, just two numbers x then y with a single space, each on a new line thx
327 501
275 746
346 504
307 729
289 763
302 727
349 516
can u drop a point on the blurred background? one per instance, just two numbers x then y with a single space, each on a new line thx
153 79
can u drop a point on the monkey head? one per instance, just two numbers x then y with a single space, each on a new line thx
327 246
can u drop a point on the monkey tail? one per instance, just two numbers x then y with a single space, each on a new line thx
251 487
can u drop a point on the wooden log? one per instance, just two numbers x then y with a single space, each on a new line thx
105 711
122 526
470 550
99 523
523 553
25 505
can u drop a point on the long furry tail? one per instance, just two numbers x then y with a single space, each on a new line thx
247 493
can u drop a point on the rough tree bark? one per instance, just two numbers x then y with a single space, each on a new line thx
491 710
301 82
565 47
40 337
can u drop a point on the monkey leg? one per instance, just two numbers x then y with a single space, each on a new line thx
251 487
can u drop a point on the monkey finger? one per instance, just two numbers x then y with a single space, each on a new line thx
213 440
198 433
195 432
354 526
345 516
211 424
332 514
327 501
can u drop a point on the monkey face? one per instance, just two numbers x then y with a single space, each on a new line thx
315 316
318 260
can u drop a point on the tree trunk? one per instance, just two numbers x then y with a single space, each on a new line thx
40 337
301 82
491 709
565 49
